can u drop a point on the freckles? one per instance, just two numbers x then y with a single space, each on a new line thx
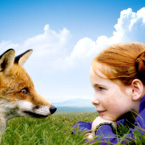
112 102
112 98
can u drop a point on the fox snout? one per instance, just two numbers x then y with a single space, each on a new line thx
37 111
45 110
52 109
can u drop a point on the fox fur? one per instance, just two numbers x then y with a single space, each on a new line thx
18 96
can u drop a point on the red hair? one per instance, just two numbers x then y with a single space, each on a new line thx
124 62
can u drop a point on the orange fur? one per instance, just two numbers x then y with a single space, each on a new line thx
14 81
18 96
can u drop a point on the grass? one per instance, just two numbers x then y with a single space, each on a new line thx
54 130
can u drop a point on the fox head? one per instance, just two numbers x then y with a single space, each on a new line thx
18 96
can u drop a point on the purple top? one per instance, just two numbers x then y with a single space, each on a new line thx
105 133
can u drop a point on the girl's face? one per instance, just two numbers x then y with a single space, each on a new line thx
112 99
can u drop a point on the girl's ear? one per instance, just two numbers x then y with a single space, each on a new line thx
137 89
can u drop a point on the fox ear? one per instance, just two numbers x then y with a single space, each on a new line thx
21 59
7 60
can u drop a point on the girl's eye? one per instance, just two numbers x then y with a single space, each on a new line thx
25 91
101 88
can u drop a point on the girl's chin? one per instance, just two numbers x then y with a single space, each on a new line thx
108 118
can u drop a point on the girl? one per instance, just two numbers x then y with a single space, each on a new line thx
118 77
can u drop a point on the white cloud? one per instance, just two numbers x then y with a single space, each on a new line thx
51 50
52 45
8 44
82 48
49 42
81 51
130 27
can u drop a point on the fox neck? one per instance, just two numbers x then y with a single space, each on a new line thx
2 125
5 114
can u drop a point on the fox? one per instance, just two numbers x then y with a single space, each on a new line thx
18 96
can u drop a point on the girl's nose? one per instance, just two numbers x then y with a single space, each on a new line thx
95 101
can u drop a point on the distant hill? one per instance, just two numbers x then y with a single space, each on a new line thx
76 109
75 105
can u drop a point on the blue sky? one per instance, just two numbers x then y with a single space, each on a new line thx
65 36
91 18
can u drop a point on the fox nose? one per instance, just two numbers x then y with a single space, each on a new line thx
52 109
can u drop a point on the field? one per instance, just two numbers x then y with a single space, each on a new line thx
54 130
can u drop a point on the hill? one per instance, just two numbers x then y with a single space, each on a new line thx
75 105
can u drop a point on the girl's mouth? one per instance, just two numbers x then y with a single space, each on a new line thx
101 112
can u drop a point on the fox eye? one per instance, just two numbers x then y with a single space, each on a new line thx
25 91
